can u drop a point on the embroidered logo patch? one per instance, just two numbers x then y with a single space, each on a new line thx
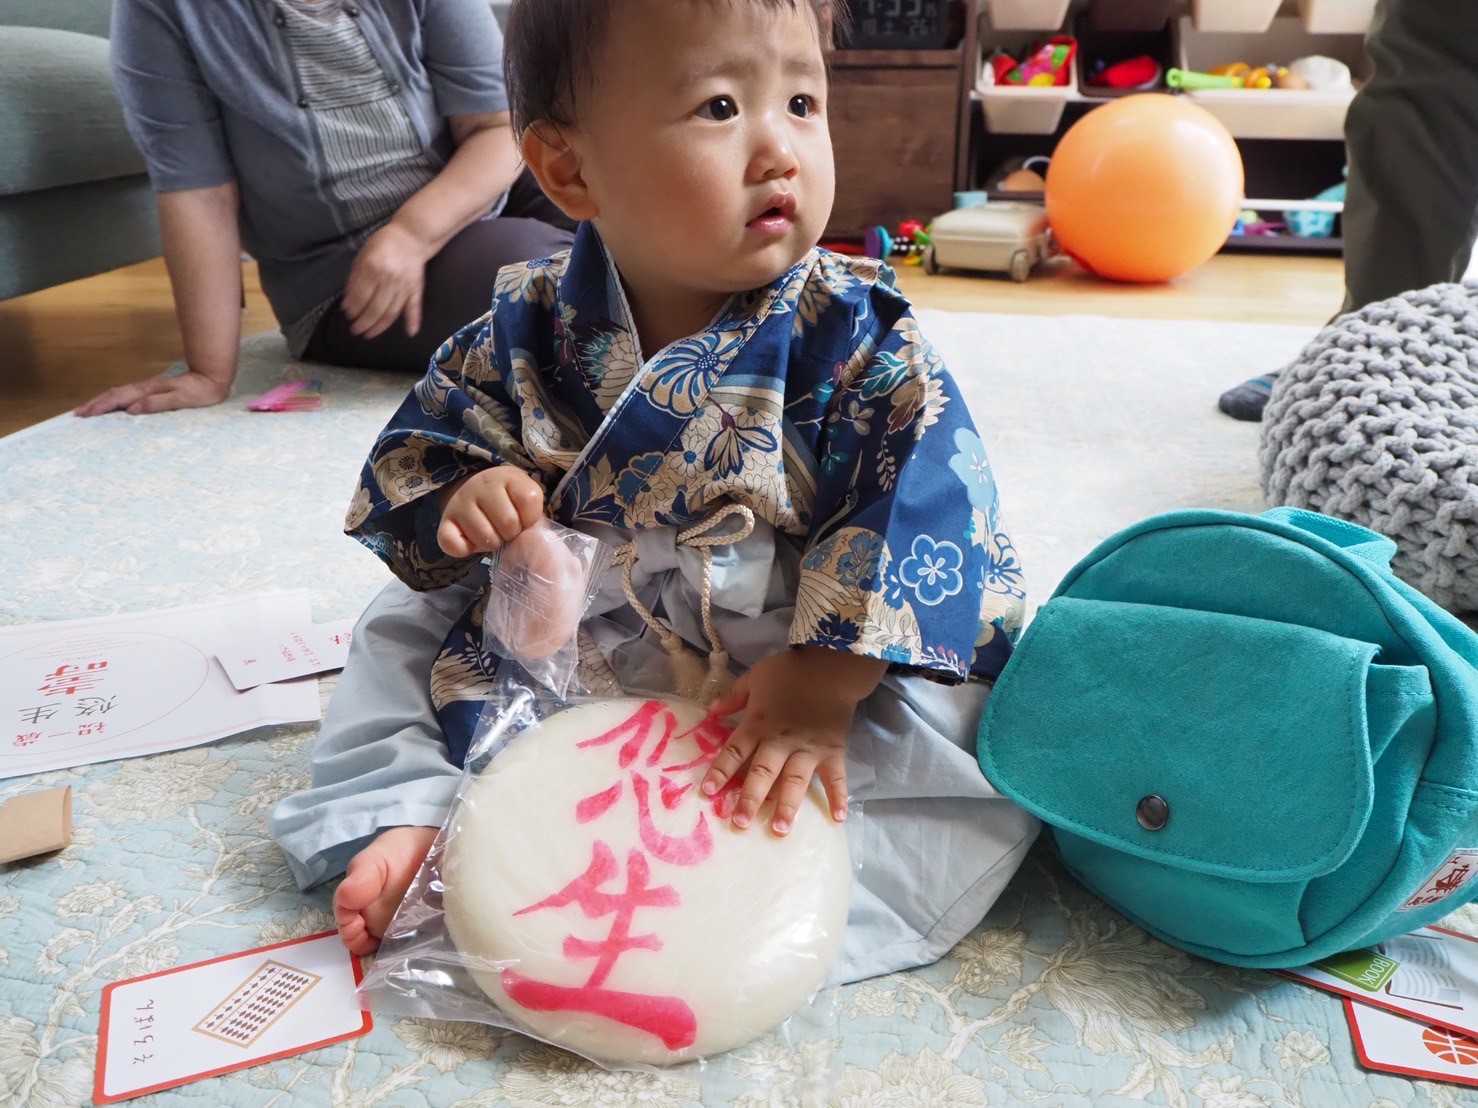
1452 875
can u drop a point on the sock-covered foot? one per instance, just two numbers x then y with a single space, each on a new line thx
375 884
1248 399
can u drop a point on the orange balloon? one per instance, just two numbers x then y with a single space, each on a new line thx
1144 188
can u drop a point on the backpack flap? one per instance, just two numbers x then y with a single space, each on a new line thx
1213 744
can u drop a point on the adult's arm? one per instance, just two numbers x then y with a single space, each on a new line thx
462 50
388 275
202 251
175 120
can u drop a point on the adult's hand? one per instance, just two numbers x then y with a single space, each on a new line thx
386 281
202 251
159 394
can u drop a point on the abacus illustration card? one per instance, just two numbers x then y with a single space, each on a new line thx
1394 1044
209 1018
74 692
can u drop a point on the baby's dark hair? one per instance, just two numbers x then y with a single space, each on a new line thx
549 49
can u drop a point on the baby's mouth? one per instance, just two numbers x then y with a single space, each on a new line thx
781 210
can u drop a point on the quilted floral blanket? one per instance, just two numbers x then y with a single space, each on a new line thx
1053 999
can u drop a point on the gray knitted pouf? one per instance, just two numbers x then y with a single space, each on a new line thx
1377 422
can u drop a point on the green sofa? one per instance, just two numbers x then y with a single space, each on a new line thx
74 199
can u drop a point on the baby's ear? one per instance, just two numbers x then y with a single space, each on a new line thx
555 163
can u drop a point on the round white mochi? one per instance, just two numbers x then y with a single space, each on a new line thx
629 938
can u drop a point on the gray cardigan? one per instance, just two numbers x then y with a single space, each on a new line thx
212 93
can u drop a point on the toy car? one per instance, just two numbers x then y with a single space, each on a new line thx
1008 236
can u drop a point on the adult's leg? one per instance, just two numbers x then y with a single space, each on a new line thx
1411 213
1411 205
459 285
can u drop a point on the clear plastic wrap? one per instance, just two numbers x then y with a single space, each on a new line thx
539 586
584 891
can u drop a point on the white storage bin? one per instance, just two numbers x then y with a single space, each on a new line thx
1013 110
1274 113
1019 109
1234 15
1027 15
1336 17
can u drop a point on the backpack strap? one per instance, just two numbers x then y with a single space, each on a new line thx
1359 541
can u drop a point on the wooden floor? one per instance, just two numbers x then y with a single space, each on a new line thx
64 345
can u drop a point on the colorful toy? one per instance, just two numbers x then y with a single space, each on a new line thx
1236 75
1133 73
1048 65
910 242
1144 188
1314 224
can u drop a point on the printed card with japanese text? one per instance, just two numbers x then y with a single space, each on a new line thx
201 1020
1430 975
74 692
1394 1044
297 652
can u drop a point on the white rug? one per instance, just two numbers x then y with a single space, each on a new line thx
1091 423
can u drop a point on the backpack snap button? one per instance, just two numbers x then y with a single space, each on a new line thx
1152 812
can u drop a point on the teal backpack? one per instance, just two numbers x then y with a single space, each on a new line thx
1247 736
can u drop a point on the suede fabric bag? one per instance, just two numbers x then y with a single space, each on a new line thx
1248 736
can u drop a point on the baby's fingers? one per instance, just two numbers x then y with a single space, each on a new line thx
833 774
759 779
728 760
452 541
790 791
734 700
500 515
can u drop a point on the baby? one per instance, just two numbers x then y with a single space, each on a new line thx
694 351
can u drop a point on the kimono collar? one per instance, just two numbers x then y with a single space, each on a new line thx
592 293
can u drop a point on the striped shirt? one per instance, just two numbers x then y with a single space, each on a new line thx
328 114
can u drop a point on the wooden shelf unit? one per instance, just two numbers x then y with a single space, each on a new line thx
900 126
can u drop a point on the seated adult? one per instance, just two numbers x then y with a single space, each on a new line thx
359 150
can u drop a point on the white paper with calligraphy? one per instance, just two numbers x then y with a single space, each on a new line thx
606 906
74 692
209 1018
288 654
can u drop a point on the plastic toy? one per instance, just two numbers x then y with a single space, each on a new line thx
1048 65
1315 225
1238 75
1009 236
1247 76
1144 188
1141 73
910 242
294 396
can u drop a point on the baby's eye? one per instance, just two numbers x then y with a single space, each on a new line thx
802 106
720 108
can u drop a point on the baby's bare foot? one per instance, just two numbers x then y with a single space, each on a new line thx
375 884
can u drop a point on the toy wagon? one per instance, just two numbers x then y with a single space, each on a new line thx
1007 236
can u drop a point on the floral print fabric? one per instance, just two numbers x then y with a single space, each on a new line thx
816 402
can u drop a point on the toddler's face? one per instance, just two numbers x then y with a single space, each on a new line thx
704 142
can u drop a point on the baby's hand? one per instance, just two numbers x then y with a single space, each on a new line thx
537 594
798 707
483 512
